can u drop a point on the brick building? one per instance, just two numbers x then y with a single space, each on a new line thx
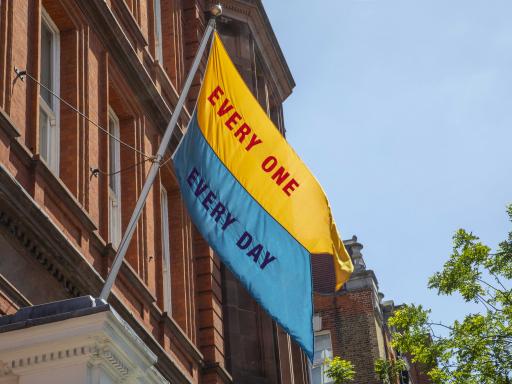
352 323
67 189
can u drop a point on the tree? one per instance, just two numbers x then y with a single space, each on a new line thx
477 349
389 370
341 371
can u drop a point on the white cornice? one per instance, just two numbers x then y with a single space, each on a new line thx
100 341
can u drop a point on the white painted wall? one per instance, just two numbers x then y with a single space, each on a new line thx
94 349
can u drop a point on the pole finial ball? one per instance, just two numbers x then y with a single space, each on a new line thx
216 10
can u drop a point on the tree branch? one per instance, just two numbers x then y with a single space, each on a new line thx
487 303
441 325
489 285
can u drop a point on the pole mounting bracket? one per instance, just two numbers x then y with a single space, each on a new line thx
20 73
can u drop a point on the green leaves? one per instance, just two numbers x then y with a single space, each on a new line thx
479 348
412 334
341 371
389 370
462 272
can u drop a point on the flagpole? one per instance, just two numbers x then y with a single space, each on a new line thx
216 10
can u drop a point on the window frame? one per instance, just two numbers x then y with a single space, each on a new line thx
166 250
114 194
52 141
157 14
323 378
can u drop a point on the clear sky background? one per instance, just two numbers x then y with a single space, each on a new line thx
403 111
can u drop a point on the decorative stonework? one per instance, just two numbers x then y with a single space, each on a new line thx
29 231
233 7
102 354
96 354
5 369
52 356
253 13
92 347
16 231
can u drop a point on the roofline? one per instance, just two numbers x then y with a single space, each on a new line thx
277 46
253 13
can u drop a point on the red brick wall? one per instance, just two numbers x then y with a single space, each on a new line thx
418 373
350 316
351 320
93 77
107 59
322 268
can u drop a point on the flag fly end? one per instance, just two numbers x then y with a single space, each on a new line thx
254 201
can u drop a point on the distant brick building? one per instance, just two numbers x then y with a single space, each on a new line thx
67 189
352 323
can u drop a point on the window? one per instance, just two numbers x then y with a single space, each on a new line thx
166 253
49 139
158 31
114 179
323 350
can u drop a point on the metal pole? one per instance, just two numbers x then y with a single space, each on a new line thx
125 241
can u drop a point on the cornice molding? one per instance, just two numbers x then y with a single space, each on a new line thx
62 263
220 371
131 276
32 360
171 370
129 22
15 297
185 342
16 231
253 13
100 340
62 192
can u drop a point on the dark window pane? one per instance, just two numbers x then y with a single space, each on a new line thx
46 63
43 134
113 154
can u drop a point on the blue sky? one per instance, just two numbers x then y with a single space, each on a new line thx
403 111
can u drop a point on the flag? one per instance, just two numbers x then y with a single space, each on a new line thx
254 200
